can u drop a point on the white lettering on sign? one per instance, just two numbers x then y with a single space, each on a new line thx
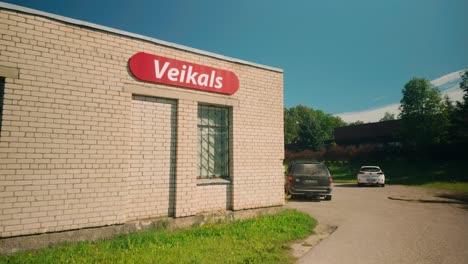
185 75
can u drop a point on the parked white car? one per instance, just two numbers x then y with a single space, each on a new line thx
371 175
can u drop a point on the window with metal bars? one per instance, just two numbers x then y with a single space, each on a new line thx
213 142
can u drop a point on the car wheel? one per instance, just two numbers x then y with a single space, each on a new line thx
382 185
328 198
360 184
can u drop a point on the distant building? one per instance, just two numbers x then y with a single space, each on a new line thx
384 132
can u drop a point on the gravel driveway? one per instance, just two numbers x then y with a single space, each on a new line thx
371 228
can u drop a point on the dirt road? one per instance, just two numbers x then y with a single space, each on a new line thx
375 229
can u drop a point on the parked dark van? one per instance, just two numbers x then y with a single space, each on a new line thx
309 178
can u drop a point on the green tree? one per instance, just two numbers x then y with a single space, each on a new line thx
387 116
327 124
464 87
460 116
308 128
291 125
423 113
310 134
355 123
451 112
449 105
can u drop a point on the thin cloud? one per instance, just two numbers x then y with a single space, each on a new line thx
378 98
447 78
373 115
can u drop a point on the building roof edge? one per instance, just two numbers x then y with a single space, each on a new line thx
77 22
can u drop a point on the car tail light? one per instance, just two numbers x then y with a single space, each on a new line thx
380 173
290 178
330 180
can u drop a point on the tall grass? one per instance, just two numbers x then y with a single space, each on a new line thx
261 240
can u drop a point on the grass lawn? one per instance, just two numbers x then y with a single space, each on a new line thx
260 240
449 175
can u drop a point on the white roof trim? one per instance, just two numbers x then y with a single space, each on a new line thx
132 35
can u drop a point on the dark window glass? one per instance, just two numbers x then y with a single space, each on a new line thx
310 169
370 169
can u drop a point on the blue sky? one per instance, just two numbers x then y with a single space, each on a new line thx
337 56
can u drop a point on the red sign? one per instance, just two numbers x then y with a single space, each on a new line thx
158 69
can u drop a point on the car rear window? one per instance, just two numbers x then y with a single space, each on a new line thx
370 169
311 169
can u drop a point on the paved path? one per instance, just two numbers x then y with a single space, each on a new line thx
375 229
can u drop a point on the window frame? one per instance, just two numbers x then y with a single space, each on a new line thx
225 130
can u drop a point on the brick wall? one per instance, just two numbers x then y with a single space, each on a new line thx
152 158
258 147
210 198
69 154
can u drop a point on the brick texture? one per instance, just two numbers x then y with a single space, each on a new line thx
151 186
77 150
209 198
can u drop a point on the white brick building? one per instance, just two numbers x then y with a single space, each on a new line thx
84 143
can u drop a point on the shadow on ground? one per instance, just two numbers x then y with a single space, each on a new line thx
304 199
353 185
458 196
345 185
